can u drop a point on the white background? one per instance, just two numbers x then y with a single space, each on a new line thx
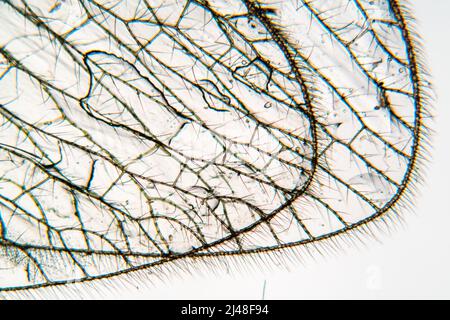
411 262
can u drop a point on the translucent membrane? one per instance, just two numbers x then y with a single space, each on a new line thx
137 133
